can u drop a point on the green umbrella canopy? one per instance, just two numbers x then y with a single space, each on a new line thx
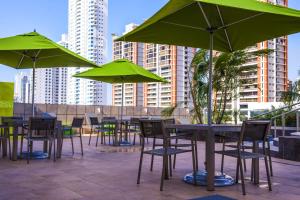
236 24
20 51
120 71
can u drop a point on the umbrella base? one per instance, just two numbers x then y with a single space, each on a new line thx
36 155
221 179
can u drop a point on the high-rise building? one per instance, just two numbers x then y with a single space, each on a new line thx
51 83
133 51
169 62
87 36
269 79
22 87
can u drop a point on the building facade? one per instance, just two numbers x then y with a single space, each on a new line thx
51 83
87 36
133 51
168 61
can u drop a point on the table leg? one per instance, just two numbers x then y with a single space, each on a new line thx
210 159
15 144
59 138
256 163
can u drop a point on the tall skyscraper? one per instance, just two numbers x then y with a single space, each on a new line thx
169 62
51 83
22 87
87 36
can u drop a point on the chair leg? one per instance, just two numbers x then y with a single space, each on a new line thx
270 158
90 136
242 176
237 171
9 147
28 151
21 147
163 173
72 143
54 150
140 164
244 160
194 162
170 165
174 161
134 135
268 173
50 149
223 157
80 137
98 138
152 156
196 154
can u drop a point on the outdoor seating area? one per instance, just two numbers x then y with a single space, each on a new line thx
112 171
163 153
180 123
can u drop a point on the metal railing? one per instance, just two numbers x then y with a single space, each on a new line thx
293 109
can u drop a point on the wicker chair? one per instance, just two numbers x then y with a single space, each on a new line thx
41 129
94 123
254 131
156 129
75 130
14 122
108 127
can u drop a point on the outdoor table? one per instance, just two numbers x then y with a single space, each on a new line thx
24 124
203 129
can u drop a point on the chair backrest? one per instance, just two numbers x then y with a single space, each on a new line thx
77 122
111 125
12 121
42 124
94 121
109 118
152 128
169 121
255 130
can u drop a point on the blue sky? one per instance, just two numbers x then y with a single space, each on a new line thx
49 17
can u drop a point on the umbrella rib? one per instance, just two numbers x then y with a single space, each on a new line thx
182 25
225 30
239 21
204 15
50 57
21 60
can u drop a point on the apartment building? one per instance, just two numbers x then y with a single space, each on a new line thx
133 51
168 61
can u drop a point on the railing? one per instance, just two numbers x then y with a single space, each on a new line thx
294 108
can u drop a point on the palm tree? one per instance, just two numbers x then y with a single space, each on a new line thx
227 74
292 95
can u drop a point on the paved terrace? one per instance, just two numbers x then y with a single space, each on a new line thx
110 173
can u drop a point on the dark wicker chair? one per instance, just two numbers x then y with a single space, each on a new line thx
75 130
94 123
14 122
108 127
41 129
156 129
253 131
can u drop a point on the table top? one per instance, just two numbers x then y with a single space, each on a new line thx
204 127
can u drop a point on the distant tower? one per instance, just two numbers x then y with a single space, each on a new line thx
22 88
87 36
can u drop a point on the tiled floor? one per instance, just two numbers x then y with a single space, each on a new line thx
110 173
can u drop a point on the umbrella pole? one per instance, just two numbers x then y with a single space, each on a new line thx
122 102
33 83
210 141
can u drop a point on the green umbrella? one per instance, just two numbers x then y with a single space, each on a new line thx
224 25
32 50
121 71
